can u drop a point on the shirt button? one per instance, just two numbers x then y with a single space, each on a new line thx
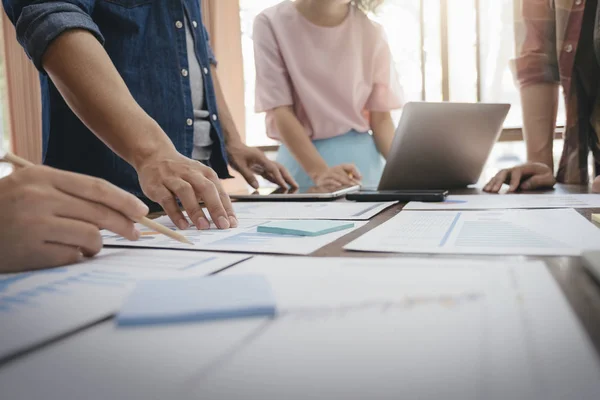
195 24
205 71
179 24
184 72
214 117
569 48
189 122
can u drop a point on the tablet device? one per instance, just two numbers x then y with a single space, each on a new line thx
403 196
316 193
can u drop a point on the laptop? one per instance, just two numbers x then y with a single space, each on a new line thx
442 145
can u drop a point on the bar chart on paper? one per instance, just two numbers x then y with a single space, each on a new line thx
39 306
245 238
518 232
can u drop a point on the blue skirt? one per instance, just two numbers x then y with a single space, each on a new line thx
351 148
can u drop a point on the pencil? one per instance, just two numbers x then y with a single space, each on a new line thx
20 162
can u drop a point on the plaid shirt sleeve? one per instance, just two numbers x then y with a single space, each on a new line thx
535 33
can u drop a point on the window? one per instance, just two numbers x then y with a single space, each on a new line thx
4 131
255 123
456 50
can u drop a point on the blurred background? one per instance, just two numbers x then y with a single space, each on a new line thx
444 50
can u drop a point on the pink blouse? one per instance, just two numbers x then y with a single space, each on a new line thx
332 76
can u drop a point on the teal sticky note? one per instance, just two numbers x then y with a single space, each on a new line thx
172 301
304 227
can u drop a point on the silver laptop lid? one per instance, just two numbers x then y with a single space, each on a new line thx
442 145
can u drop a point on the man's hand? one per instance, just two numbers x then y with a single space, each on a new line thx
167 177
51 218
338 176
529 176
249 161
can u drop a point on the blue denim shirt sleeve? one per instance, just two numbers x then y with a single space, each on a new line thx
211 54
39 23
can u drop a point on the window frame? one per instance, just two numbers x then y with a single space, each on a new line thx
509 134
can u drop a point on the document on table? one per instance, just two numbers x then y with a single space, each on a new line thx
410 329
244 239
39 306
337 210
369 329
509 201
517 232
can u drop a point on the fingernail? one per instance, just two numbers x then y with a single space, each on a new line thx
223 223
183 224
144 210
203 224
234 222
136 235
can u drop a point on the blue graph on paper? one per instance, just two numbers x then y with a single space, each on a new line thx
7 282
63 286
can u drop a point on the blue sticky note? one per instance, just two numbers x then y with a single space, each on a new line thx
304 227
198 299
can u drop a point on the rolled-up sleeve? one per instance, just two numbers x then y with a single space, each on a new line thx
535 34
39 23
273 83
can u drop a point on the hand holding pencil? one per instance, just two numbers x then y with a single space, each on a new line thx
51 217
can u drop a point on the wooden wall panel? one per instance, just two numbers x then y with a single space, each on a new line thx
24 98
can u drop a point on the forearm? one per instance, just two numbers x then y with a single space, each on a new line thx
82 71
540 106
231 134
293 135
383 131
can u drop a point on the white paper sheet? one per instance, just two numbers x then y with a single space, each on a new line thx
337 210
36 307
409 329
347 329
509 201
517 232
244 239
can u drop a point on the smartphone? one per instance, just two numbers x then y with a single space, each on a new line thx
403 196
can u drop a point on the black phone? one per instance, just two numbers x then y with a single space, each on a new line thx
403 196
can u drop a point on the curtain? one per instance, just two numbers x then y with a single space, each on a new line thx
24 97
222 20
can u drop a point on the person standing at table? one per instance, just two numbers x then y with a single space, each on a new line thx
325 78
137 78
559 46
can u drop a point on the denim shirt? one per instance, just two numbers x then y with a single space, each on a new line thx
146 41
